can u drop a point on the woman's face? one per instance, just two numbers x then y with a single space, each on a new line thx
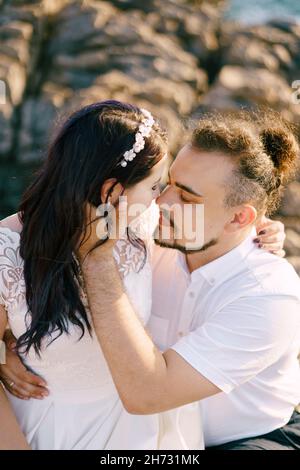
137 199
143 193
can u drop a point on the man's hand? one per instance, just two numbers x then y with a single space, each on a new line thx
16 378
270 236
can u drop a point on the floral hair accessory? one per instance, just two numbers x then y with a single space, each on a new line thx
143 131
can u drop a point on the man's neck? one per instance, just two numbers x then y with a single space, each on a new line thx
224 245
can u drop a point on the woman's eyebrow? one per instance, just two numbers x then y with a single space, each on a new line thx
185 188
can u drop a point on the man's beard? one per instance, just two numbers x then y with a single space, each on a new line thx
175 246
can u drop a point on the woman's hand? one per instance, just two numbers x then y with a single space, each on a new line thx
16 378
270 236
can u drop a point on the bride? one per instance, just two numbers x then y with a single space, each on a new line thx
90 164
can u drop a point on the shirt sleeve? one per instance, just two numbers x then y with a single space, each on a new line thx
242 339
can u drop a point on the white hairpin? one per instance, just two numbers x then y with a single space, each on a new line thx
142 132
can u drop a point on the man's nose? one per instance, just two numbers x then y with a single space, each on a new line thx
167 196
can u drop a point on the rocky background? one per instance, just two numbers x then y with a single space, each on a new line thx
175 57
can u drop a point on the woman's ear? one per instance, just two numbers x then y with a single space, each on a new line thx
111 191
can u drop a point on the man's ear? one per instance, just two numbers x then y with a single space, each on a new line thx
111 195
242 217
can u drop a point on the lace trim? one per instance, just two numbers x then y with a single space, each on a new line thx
12 280
128 257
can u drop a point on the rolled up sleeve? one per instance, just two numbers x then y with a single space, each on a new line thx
244 338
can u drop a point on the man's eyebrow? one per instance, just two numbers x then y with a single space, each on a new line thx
185 188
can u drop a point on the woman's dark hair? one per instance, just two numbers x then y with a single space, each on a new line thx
85 152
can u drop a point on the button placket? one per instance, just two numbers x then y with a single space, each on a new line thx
186 313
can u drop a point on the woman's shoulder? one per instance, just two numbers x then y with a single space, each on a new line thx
10 228
13 222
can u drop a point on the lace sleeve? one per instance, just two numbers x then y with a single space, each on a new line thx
12 285
128 257
132 258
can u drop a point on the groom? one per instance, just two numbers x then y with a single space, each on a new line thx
225 326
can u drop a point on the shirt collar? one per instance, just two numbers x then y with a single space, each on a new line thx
219 269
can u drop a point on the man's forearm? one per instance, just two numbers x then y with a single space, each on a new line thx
11 437
137 366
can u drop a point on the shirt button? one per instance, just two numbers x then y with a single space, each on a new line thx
180 333
191 295
212 280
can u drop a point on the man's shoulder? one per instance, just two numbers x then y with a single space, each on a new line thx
266 289
259 275
272 274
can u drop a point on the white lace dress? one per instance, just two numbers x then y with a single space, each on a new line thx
83 410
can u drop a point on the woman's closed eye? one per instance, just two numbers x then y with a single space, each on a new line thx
157 186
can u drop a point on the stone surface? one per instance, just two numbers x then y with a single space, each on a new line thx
292 243
295 261
291 201
174 57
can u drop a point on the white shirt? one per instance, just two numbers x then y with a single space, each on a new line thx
236 320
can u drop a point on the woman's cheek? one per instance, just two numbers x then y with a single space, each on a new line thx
140 200
146 198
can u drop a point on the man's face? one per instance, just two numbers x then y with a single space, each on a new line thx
193 215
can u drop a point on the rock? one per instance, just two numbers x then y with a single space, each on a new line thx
174 57
14 76
266 46
121 42
283 55
295 261
236 86
291 201
292 243
152 95
254 53
93 60
197 26
14 57
5 136
37 118
272 35
150 5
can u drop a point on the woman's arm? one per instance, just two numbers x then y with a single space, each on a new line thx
148 381
11 436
